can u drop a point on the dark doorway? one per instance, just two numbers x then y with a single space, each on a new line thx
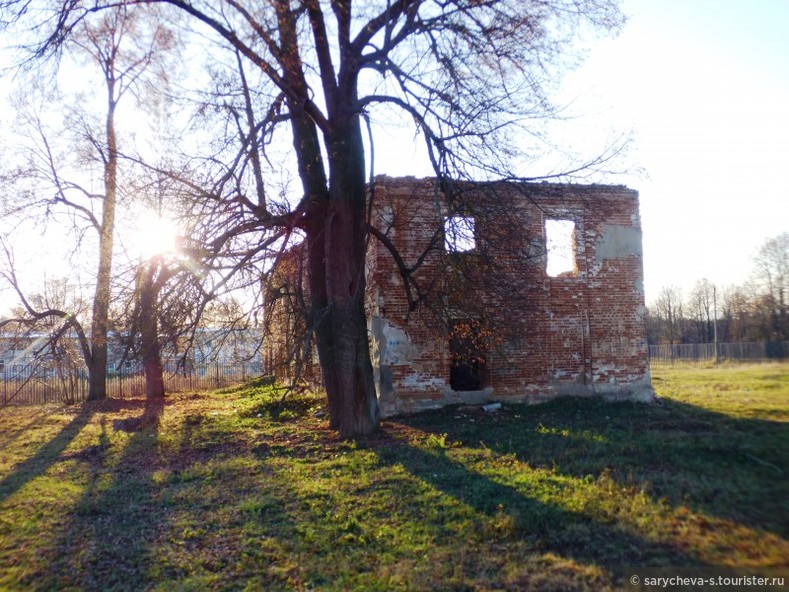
467 359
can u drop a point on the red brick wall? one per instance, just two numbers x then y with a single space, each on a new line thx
286 353
548 336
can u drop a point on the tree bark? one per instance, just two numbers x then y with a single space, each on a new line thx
97 369
336 229
150 349
351 389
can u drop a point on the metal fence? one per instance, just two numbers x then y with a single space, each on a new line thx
708 354
26 385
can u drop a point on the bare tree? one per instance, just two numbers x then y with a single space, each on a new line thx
122 46
668 310
772 274
736 314
753 311
470 75
701 304
51 322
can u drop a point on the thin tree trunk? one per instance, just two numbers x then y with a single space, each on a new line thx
101 303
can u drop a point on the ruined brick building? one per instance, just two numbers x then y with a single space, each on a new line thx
470 300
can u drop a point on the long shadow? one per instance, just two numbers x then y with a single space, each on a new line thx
732 468
125 518
106 544
263 510
38 464
545 525
10 435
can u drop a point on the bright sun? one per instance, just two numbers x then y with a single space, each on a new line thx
154 235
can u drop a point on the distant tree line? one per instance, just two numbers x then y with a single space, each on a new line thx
757 310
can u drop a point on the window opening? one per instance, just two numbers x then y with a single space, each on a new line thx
459 234
560 246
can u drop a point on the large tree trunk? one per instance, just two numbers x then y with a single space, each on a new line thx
345 231
336 240
97 369
336 230
337 292
150 350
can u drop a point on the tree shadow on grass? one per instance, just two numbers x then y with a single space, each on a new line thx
38 464
9 435
246 537
732 468
132 530
105 545
548 528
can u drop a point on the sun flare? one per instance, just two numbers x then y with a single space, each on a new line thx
155 235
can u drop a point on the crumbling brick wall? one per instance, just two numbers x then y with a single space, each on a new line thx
288 351
534 336
582 332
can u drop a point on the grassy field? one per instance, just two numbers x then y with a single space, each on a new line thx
231 491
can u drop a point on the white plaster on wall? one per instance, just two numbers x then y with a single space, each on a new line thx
396 346
617 242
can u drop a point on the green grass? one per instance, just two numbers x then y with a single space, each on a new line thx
234 490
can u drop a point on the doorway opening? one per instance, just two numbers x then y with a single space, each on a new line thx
467 359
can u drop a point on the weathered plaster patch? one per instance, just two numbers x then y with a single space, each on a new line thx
399 348
618 242
641 312
638 390
394 345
